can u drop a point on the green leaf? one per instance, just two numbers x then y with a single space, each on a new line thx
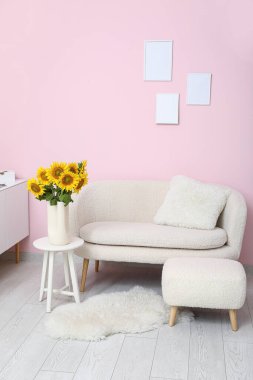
65 197
49 196
53 202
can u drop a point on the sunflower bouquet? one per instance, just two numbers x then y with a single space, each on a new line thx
58 182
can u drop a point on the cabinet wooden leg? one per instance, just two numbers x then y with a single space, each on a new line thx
233 319
84 274
17 253
96 265
173 315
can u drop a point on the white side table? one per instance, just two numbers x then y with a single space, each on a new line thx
48 266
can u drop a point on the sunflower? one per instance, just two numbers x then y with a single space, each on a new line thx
35 187
72 167
42 175
55 171
68 181
82 166
83 180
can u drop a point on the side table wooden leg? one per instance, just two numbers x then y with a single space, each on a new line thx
73 277
43 275
17 253
50 281
66 268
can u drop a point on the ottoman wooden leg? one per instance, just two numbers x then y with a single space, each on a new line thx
96 265
233 319
84 274
173 315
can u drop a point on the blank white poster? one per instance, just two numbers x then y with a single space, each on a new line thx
158 60
167 108
199 88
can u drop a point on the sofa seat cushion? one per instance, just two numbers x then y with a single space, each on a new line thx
152 235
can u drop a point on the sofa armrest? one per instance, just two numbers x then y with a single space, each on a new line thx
233 220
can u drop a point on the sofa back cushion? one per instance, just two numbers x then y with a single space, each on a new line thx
123 201
129 201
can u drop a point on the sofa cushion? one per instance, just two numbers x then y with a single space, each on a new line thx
152 235
193 204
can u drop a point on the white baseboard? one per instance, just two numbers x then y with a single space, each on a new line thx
28 256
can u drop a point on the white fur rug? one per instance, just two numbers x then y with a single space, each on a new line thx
133 311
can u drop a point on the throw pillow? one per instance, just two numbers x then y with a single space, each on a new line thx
191 204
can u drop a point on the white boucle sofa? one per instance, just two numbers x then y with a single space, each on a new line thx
115 219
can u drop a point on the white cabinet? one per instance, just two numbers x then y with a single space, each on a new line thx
14 217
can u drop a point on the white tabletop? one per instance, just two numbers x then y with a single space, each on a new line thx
44 245
17 182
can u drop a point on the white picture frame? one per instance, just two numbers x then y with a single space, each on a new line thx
167 109
158 55
199 89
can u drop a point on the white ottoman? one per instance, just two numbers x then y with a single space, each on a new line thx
205 283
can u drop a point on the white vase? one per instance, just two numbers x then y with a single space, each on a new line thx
58 224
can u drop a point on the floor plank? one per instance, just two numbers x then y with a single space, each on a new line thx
17 330
206 360
172 352
239 360
65 356
245 331
135 359
148 334
13 275
250 302
46 375
16 299
28 359
100 359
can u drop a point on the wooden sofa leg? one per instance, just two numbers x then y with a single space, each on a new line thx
96 265
173 315
84 274
233 319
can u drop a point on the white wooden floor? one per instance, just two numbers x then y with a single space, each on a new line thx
203 349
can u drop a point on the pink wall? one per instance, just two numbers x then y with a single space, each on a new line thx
71 87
